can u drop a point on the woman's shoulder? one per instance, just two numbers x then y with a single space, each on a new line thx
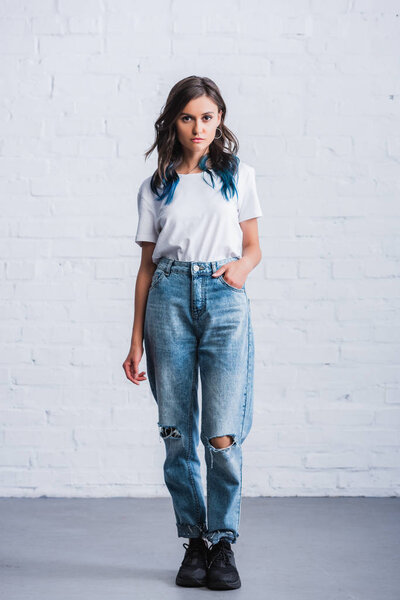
246 174
145 188
245 168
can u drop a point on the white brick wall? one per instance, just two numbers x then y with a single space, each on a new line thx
312 90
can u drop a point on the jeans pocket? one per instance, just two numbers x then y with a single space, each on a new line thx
157 276
222 280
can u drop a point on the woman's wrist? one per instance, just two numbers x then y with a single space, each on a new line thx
137 340
247 263
251 257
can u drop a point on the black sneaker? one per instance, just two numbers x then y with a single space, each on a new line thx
222 573
193 570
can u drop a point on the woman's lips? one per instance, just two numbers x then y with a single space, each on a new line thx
196 140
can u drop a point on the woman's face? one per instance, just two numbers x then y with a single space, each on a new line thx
199 119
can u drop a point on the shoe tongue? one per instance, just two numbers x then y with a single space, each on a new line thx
223 543
195 541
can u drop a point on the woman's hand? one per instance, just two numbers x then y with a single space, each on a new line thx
236 272
131 364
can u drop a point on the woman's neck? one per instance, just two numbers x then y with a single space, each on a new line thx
190 165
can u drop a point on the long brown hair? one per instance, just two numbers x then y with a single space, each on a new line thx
221 156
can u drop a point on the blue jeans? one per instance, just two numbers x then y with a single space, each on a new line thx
196 322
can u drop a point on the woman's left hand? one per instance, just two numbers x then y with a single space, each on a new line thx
235 272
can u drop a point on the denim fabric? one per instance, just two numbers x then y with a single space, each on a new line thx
194 322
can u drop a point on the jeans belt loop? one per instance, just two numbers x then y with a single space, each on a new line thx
168 265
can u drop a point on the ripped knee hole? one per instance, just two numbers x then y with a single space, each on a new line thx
225 441
170 431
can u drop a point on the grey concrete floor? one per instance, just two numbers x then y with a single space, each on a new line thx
127 548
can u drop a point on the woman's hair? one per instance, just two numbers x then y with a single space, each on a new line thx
221 157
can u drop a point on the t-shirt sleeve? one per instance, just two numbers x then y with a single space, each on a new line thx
146 229
249 205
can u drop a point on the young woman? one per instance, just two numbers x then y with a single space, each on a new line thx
199 237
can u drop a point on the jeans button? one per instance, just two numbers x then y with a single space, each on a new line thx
195 267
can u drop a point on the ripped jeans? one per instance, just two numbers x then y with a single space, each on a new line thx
196 322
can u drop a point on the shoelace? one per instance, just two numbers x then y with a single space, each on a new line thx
223 553
194 547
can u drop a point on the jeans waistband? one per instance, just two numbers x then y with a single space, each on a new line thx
167 264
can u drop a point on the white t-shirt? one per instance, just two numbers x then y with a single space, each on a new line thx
199 224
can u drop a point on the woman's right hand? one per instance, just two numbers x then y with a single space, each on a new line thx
131 364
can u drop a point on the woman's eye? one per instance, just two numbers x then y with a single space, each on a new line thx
207 117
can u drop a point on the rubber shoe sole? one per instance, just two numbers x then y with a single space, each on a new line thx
190 581
223 585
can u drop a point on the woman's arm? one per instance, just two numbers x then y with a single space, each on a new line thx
238 270
143 281
251 251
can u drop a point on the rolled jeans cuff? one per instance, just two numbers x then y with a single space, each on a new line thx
191 531
214 536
